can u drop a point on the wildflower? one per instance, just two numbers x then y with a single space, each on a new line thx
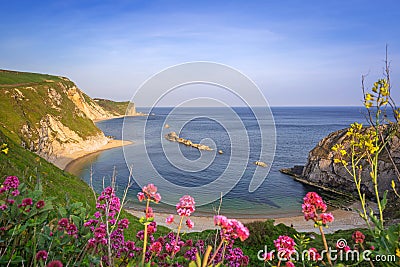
326 217
124 223
11 182
170 219
156 247
97 214
3 207
27 202
15 193
10 201
189 224
152 228
358 237
55 264
231 228
313 254
149 213
72 230
346 248
289 264
150 191
285 246
191 254
141 196
185 206
40 204
63 223
41 255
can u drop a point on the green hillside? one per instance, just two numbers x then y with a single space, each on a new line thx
113 106
26 98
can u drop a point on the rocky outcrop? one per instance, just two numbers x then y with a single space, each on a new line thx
321 169
173 137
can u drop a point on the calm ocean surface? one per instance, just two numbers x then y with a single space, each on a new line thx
298 130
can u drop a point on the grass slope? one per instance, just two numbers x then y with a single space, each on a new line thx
117 108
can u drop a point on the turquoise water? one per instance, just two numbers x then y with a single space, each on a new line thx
298 130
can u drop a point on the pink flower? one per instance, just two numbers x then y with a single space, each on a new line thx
189 224
346 248
170 219
358 237
231 228
285 246
141 196
11 182
326 217
312 204
269 256
313 254
185 206
3 206
10 201
41 255
124 223
40 204
72 230
372 248
149 213
289 264
150 191
55 264
27 202
156 247
15 193
63 222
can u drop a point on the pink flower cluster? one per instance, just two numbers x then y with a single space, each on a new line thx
185 206
312 204
149 192
285 246
108 203
358 237
10 183
231 228
70 228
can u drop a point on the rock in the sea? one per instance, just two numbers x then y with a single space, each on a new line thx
260 163
173 137
166 126
220 152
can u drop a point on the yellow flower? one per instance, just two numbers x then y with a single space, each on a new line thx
368 104
368 97
398 252
5 150
337 161
343 152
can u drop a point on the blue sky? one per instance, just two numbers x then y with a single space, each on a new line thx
297 52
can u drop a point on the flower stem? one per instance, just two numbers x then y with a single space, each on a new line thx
328 256
177 236
145 235
215 252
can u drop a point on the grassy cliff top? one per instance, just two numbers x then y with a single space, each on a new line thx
16 78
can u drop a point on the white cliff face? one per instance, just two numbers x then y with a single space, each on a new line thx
57 140
90 109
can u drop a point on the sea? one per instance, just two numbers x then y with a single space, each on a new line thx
223 180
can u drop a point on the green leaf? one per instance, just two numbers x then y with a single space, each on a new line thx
384 200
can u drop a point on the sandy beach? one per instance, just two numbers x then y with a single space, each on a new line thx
344 220
64 161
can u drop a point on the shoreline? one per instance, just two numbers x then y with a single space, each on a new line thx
64 162
344 220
